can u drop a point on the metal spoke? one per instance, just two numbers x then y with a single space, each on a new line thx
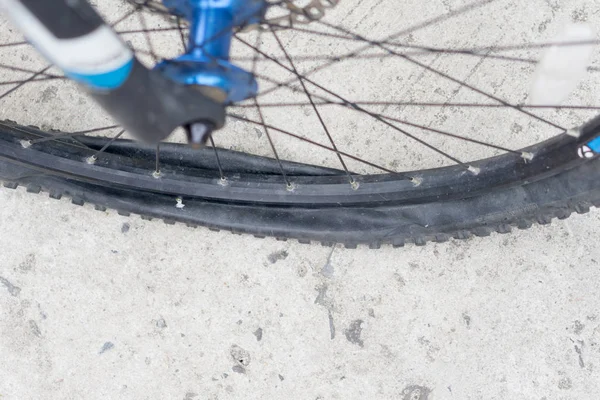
414 104
441 18
531 46
268 134
19 69
262 121
256 55
315 109
5 83
145 30
22 43
92 159
156 172
450 52
71 134
123 18
277 83
444 133
181 34
31 78
212 143
140 51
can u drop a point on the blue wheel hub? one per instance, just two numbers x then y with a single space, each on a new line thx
206 61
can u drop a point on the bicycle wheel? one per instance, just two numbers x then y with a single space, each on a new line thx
355 136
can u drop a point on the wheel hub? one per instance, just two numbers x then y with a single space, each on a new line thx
206 63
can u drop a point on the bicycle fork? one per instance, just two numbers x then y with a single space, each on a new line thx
149 105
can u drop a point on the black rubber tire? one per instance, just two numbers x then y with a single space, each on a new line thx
508 193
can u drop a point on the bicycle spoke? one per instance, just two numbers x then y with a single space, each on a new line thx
484 51
181 34
441 18
444 133
212 144
140 51
71 134
22 43
27 81
263 124
123 18
449 52
314 107
256 56
145 30
156 172
358 108
288 133
31 78
532 46
276 83
19 69
268 134
311 31
320 57
414 104
92 159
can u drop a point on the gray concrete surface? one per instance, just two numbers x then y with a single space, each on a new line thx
94 305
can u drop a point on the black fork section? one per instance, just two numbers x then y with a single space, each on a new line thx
147 104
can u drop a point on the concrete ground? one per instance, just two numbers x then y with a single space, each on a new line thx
94 305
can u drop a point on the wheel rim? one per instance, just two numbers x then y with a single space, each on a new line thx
323 188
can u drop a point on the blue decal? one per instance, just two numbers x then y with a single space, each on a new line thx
595 145
104 81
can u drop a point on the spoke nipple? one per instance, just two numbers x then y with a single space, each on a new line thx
416 180
179 203
91 160
474 170
156 174
290 187
354 184
198 133
25 144
527 155
223 181
574 132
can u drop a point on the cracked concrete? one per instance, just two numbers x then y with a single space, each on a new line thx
95 305
486 318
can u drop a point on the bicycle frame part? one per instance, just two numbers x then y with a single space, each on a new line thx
72 36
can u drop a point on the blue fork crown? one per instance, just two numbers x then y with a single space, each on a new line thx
206 61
